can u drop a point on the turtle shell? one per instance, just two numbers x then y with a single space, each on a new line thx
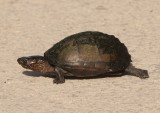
89 54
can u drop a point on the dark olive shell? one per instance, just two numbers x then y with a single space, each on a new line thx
89 54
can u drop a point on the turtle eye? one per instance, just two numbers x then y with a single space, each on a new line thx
40 61
31 62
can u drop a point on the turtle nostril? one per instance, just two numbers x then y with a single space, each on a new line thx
20 60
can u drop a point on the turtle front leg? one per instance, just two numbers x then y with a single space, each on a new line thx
59 76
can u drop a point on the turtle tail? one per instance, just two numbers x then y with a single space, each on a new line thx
137 72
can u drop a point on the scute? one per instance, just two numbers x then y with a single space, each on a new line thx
89 52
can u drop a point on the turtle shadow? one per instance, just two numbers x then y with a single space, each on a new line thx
38 74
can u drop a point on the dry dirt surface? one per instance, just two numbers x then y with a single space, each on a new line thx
30 27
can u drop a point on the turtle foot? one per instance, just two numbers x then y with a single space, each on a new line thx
142 74
56 81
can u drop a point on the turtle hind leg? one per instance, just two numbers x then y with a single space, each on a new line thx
59 76
137 72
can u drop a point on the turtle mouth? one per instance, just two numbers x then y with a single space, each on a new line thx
25 67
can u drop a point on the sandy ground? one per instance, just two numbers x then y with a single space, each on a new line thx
30 27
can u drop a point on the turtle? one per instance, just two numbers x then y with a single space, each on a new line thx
85 54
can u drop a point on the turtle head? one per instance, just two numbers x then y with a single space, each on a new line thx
35 63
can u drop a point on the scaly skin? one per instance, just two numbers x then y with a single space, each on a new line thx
36 63
40 64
